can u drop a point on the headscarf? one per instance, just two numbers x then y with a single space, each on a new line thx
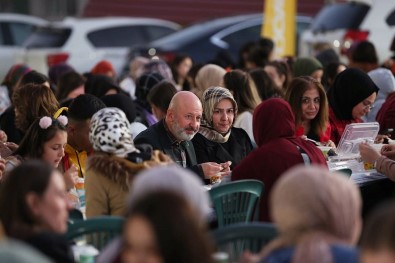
208 76
99 85
385 81
211 97
278 148
312 209
143 86
159 66
122 102
268 126
306 66
103 67
351 87
175 179
110 132
57 71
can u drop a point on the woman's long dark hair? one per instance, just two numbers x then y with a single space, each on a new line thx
32 176
180 236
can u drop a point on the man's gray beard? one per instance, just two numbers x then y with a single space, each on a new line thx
180 133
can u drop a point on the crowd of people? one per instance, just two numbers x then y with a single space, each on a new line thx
145 145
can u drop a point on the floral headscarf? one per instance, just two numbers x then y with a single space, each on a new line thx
110 132
210 98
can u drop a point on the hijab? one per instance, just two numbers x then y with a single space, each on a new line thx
175 179
143 86
110 132
99 85
211 97
351 87
312 209
268 126
385 81
278 149
122 102
306 66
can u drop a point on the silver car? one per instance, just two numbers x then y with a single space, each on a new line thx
14 30
83 42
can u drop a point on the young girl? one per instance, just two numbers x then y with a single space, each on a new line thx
45 139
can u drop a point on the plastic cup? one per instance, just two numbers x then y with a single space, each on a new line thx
221 257
88 254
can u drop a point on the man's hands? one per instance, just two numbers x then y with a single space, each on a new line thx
216 169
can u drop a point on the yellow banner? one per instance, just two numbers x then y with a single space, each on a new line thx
279 25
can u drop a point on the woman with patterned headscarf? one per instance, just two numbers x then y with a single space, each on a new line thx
218 141
114 164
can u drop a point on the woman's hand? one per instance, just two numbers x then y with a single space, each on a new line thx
248 257
329 144
12 146
71 177
380 138
389 151
3 136
2 168
368 153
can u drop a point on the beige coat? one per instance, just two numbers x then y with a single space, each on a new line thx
107 182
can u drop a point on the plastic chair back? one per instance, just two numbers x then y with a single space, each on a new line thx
235 202
75 215
237 238
96 231
346 171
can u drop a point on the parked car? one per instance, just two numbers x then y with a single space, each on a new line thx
204 41
84 42
342 24
14 30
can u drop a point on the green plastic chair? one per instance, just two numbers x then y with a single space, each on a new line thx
235 202
237 238
75 215
96 231
345 171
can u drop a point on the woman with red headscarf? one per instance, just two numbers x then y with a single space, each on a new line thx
278 149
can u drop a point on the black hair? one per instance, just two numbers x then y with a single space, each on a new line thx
84 106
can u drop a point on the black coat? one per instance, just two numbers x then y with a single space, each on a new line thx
235 149
54 246
156 135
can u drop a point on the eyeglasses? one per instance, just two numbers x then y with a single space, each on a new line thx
367 105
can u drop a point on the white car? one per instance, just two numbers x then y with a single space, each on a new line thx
14 30
83 42
343 23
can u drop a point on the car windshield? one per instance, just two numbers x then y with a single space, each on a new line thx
48 37
340 16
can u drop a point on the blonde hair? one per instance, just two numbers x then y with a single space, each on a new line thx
208 76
